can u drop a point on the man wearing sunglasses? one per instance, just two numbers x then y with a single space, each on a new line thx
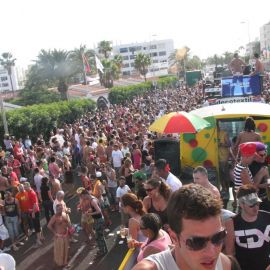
248 232
196 231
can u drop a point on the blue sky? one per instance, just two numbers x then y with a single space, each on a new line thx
207 27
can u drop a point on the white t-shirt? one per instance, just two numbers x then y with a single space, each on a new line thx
37 180
117 157
122 191
173 182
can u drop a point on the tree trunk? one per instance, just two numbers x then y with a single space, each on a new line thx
12 88
63 88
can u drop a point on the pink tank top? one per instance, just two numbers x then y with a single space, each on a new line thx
161 244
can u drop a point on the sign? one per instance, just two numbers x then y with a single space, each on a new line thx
212 90
231 100
237 86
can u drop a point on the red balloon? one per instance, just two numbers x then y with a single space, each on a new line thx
193 143
208 163
262 127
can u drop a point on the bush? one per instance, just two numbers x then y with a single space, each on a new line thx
120 94
37 119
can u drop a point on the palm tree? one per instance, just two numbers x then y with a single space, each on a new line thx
56 67
111 72
118 60
8 62
141 63
104 47
77 61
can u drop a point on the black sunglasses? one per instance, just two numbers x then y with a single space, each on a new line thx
149 189
197 243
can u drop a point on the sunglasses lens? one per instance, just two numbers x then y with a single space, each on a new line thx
199 243
218 238
196 243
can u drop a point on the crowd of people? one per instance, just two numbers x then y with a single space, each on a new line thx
107 159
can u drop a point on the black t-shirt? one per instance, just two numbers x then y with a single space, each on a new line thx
252 247
44 189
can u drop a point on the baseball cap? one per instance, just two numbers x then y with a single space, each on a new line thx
98 174
250 199
247 149
260 146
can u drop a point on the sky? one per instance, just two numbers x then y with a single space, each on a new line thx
207 27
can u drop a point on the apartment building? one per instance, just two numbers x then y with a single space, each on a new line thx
159 51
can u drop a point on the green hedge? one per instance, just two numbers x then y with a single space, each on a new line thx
37 119
120 94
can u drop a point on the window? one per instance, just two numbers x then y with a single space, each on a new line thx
126 65
125 57
162 53
132 57
155 61
132 64
4 79
153 54
126 73
161 46
132 49
123 50
5 85
153 47
145 48
163 61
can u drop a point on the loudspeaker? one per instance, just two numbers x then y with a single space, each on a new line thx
169 150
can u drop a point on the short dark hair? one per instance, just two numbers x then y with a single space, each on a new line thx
246 190
191 202
256 55
161 164
152 222
200 169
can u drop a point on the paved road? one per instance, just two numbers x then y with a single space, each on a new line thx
81 254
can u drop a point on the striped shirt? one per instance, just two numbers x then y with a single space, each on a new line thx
237 175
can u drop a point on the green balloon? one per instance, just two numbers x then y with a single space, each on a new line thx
198 154
188 137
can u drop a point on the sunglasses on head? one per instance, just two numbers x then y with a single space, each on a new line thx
253 205
197 243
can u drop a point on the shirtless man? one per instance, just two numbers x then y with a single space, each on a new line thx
56 185
3 185
236 65
259 68
59 225
200 176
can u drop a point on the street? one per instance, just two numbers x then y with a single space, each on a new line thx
81 254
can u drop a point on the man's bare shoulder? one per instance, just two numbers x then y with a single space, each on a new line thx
145 265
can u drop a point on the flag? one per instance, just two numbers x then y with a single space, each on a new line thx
86 65
99 65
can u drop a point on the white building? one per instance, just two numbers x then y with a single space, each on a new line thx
159 51
5 83
265 37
